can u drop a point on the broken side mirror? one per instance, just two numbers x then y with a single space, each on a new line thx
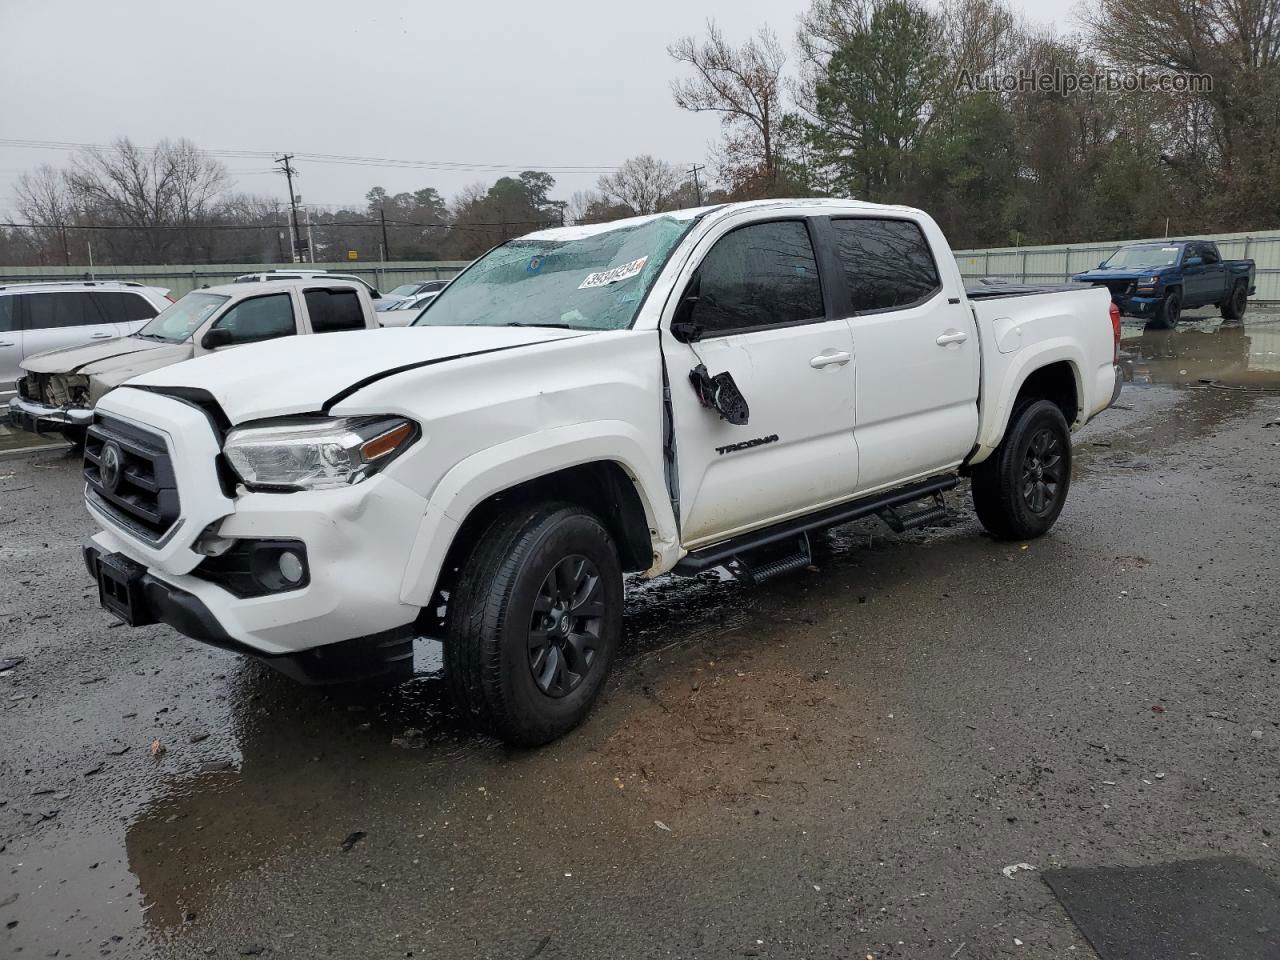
720 393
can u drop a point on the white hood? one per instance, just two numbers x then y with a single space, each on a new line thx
301 374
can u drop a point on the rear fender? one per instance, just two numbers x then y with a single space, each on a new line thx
995 419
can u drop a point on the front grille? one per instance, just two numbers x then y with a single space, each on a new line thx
1120 288
141 494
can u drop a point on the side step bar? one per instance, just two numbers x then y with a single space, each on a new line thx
719 554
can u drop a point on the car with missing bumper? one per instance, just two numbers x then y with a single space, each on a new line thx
61 388
663 394
1158 280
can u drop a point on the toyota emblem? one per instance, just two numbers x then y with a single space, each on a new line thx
110 466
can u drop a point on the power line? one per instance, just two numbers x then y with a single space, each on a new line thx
335 158
375 224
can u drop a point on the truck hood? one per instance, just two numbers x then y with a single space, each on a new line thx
1102 276
303 374
107 356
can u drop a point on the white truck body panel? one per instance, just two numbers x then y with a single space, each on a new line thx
840 408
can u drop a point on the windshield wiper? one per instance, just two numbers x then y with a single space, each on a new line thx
558 326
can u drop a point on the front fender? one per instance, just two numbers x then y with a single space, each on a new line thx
501 467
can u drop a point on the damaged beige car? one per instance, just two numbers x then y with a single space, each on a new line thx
62 387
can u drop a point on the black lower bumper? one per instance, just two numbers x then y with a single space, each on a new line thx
127 591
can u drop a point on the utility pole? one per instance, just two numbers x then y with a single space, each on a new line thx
386 247
293 204
697 187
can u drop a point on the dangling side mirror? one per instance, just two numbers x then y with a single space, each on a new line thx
215 338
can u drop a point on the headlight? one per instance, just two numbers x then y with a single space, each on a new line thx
316 454
1149 280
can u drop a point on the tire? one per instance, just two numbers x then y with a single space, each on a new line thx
1014 500
1170 310
1236 304
514 589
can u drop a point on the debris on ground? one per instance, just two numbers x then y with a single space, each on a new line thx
8 663
661 826
352 839
1013 868
157 748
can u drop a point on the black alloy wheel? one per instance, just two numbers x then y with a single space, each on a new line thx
564 634
1042 471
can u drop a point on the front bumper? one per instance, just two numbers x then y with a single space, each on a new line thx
1138 306
155 601
38 417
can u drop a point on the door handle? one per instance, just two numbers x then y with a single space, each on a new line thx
954 336
6 343
829 359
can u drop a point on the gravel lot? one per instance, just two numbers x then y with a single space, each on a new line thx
836 764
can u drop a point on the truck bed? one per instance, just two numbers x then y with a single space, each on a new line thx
995 289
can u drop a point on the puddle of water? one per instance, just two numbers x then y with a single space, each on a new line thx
1203 349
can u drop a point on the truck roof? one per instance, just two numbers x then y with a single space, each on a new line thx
247 290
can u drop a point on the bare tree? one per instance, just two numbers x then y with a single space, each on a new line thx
170 185
644 183
744 86
45 202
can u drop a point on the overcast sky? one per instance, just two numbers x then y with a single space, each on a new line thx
557 83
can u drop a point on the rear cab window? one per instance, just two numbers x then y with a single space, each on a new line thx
887 264
332 310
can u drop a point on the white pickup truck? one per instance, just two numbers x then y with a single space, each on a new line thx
662 394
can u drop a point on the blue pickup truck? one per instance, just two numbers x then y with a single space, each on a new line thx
1157 281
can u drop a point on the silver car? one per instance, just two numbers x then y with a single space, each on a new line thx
38 317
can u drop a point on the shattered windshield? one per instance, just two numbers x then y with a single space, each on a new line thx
593 282
1147 255
180 320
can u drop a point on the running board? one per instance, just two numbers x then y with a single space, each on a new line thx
720 554
900 522
743 569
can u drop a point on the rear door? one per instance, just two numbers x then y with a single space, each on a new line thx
916 347
1211 275
765 320
10 342
63 319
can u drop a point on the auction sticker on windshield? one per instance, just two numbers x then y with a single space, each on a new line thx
606 277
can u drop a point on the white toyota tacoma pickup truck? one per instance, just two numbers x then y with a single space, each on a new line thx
662 394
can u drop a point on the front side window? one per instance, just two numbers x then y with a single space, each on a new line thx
595 281
262 318
761 275
333 310
48 311
180 320
887 263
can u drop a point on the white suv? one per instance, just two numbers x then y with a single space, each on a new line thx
35 317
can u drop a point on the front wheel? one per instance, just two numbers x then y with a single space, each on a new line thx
535 621
1020 489
1169 311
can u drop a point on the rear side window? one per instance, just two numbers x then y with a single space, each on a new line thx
887 263
333 310
124 307
49 311
262 318
8 315
761 275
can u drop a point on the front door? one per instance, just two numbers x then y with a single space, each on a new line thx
10 343
764 319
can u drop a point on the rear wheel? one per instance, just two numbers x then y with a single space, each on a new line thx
1020 489
1234 306
1169 311
535 623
